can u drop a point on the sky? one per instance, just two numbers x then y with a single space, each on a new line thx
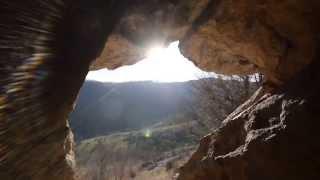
160 65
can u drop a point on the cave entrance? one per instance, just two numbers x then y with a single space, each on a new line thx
162 64
144 120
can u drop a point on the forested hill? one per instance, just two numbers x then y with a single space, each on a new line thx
104 108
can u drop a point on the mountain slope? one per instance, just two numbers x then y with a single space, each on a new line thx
103 108
158 150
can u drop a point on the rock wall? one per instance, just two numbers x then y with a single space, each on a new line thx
148 23
274 138
263 139
46 48
245 36
277 38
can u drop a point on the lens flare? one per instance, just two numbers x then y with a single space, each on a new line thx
147 133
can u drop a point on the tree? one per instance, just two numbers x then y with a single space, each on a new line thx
215 98
108 164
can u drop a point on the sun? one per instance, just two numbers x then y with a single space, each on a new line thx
156 52
161 64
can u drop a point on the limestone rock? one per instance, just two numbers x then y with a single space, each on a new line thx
46 47
146 24
118 52
277 38
273 138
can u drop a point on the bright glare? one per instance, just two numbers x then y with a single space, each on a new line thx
161 65
156 52
147 133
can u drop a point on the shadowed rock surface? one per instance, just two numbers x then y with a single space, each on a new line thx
46 47
273 138
277 38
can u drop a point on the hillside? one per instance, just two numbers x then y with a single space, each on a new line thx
158 150
105 108
143 130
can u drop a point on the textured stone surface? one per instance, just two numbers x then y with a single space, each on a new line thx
46 47
146 24
243 36
274 138
118 52
274 37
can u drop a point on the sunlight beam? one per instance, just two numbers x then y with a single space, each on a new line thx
162 64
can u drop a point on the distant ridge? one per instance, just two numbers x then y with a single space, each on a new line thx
104 108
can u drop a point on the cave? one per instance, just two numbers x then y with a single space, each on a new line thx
144 121
48 46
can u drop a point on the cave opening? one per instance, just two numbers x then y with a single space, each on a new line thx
47 46
161 64
147 118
